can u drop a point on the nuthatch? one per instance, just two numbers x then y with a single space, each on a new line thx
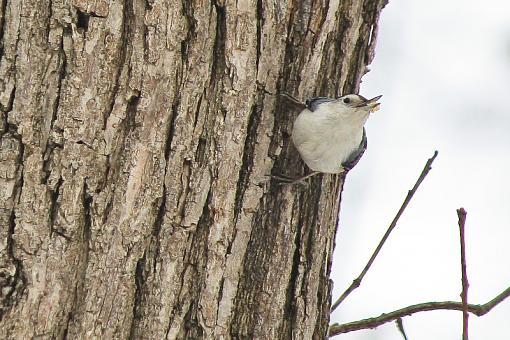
329 133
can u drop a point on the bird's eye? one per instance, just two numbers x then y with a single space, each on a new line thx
347 100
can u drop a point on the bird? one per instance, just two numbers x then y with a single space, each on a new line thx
329 133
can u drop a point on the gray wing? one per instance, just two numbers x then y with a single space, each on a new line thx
313 103
355 156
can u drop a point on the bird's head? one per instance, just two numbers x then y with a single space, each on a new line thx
355 102
354 107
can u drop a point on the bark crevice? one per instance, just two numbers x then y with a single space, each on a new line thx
171 128
86 236
219 60
138 296
61 76
156 229
3 8
248 152
53 211
8 125
13 286
187 10
82 239
260 25
192 277
124 57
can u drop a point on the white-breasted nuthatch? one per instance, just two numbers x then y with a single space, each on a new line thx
329 133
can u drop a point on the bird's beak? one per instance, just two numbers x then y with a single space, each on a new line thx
371 104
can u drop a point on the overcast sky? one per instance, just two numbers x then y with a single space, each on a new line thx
443 68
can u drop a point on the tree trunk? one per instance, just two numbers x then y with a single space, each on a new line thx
136 138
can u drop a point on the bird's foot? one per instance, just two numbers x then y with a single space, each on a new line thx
285 180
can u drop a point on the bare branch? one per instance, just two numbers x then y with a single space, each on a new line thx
356 283
369 323
461 213
400 326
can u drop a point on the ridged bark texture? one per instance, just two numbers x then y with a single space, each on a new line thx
136 137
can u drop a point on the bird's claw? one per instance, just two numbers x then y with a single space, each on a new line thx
285 180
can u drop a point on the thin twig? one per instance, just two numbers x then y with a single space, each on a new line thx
369 323
400 326
461 214
356 283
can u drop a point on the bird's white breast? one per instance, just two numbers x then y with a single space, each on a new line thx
326 140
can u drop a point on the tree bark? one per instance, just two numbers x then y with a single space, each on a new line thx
136 137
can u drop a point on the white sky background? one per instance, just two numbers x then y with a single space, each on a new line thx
443 68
